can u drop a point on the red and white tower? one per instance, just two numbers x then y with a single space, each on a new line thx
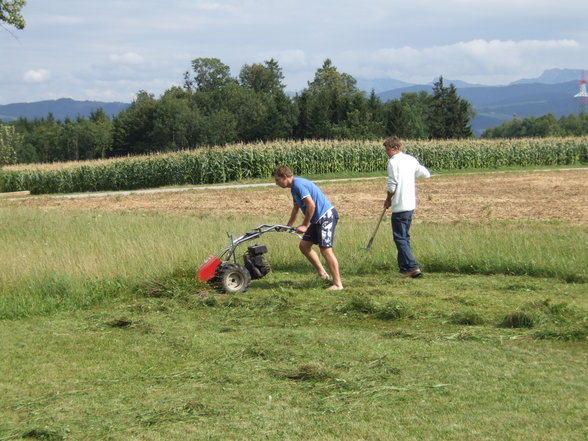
582 94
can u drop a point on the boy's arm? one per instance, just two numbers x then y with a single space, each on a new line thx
422 172
293 214
310 207
388 200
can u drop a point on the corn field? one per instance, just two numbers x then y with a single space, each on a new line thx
251 161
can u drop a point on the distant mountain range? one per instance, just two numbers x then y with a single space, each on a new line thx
60 109
552 92
550 76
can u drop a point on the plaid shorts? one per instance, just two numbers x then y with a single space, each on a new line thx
323 232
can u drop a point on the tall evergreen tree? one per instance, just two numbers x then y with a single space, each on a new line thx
100 128
450 115
325 105
328 78
408 117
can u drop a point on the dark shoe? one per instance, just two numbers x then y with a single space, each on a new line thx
412 274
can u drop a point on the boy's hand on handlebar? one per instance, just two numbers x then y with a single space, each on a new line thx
301 229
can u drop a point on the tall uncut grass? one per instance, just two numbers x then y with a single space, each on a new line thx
236 162
53 261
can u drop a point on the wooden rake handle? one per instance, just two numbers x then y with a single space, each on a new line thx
369 245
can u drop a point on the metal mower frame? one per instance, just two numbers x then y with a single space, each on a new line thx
229 276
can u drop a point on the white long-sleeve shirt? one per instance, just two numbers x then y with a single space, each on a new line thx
403 169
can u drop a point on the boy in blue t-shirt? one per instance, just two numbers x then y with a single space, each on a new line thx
318 226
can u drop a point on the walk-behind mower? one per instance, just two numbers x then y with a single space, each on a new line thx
222 269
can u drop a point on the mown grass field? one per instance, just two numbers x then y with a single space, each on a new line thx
106 334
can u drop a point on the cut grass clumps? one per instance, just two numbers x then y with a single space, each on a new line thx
467 318
574 333
360 306
308 372
258 350
266 303
210 301
41 434
542 312
519 319
170 287
184 412
393 311
561 322
271 303
398 334
464 335
559 313
121 322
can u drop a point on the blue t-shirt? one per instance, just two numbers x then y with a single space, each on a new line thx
302 188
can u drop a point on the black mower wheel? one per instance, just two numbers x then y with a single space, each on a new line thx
232 278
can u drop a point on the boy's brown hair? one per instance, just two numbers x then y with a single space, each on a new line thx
392 142
282 171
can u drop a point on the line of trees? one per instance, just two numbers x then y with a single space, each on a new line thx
214 108
540 127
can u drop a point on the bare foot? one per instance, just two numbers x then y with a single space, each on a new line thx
335 288
325 276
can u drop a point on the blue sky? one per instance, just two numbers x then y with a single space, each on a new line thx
108 50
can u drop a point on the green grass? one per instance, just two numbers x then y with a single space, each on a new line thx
54 261
107 335
287 360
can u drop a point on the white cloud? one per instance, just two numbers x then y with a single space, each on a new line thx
479 58
36 76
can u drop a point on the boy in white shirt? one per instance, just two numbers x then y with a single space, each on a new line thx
403 169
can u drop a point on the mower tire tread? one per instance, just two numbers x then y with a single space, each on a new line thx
231 278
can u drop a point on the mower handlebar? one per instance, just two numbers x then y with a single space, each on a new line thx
281 228
254 234
265 228
262 229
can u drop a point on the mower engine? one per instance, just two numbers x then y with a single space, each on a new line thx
255 263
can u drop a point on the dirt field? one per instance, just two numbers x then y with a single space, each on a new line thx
538 195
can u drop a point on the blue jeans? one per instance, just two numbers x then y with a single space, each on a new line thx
400 231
